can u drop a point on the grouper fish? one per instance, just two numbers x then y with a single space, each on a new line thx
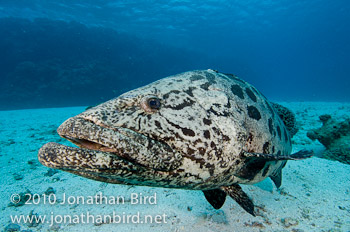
199 130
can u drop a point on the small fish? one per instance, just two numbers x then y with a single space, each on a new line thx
200 130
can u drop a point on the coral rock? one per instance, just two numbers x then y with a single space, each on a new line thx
335 136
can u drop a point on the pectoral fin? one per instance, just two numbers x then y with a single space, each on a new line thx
303 154
216 197
235 191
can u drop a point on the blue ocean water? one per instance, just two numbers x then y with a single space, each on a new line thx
63 53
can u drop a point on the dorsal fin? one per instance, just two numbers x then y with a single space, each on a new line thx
287 116
216 197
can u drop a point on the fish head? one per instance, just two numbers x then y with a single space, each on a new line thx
163 134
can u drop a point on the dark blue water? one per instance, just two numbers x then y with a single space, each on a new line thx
60 53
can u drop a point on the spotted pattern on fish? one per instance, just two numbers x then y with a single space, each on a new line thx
198 130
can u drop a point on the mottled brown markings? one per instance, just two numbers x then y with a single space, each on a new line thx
185 131
130 110
149 116
190 151
165 96
206 121
175 174
213 145
228 105
237 90
222 163
186 103
219 133
157 123
266 148
190 156
241 137
254 113
211 110
218 154
139 124
286 138
51 156
129 127
177 135
104 116
270 109
225 137
155 91
218 113
250 94
250 140
205 86
188 132
197 141
270 126
279 132
202 150
216 130
210 77
196 77
189 91
211 168
172 132
206 134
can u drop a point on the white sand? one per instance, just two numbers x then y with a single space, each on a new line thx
315 194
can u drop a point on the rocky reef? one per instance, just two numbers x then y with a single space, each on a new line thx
335 136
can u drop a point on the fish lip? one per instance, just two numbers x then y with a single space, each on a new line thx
90 161
122 143
70 131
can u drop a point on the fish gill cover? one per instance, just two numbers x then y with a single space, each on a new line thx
59 53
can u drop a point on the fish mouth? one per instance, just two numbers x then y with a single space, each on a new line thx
103 149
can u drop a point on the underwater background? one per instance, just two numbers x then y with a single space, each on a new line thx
60 56
66 53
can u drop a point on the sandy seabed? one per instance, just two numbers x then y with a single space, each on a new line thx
315 193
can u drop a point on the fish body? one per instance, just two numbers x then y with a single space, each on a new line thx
199 130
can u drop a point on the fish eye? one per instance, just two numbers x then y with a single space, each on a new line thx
154 103
150 104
